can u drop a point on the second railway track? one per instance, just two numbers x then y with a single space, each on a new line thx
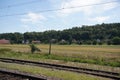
100 73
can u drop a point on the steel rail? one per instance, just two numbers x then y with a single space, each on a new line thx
100 73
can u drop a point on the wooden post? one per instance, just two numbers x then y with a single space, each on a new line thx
50 47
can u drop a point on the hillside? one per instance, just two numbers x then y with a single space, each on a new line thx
100 33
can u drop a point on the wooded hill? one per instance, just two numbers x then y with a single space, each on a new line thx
95 34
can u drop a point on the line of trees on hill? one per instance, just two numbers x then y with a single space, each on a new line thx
95 34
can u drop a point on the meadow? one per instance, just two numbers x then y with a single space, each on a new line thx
101 57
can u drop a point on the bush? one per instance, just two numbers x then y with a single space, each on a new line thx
100 43
109 42
116 40
94 42
34 48
88 42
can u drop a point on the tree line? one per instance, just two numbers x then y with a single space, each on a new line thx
94 34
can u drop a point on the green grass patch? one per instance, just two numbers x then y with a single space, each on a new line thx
66 75
3 50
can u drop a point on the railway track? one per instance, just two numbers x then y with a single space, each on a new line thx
100 73
20 74
6 74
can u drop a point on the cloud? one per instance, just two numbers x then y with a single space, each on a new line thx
75 3
110 6
100 19
88 10
33 17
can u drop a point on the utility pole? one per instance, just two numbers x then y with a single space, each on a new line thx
50 46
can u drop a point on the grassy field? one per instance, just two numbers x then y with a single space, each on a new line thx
66 75
96 54
76 55
99 57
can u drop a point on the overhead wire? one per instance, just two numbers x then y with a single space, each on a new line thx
58 9
20 4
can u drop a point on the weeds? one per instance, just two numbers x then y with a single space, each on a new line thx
5 50
34 48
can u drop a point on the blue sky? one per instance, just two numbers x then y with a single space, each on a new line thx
34 20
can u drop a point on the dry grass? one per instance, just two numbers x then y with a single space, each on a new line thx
82 51
92 52
102 52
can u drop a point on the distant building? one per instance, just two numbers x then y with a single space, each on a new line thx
98 40
4 41
36 42
23 42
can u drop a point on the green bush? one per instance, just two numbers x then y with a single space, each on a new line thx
34 48
109 42
100 43
116 40
94 42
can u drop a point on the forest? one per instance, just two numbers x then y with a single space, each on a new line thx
89 35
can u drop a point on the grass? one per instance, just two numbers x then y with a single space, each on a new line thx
60 59
94 57
81 58
91 54
66 75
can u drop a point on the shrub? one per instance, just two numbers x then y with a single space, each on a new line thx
116 40
100 43
34 48
88 42
94 42
109 42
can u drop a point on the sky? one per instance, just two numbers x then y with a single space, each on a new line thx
35 15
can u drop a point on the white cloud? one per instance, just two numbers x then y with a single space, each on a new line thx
110 6
33 17
89 10
75 3
100 19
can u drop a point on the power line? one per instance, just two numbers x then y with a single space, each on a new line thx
51 10
94 4
20 4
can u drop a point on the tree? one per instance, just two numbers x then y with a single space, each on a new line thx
85 34
94 42
109 42
116 40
